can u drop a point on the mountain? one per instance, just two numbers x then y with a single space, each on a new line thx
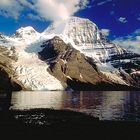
86 37
74 69
28 34
72 55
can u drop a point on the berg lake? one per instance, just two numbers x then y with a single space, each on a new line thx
107 105
55 113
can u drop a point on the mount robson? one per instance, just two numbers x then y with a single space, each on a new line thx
69 55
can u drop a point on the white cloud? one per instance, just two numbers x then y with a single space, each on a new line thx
34 17
122 19
112 12
105 32
138 18
53 10
10 8
131 42
137 32
103 2
58 9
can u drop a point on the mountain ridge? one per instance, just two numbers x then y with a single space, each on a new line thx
85 37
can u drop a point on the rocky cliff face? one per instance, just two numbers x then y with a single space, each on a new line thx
72 68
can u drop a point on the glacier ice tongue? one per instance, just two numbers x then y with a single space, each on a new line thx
33 74
29 69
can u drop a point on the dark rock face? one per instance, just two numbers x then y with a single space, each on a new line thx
73 68
7 82
68 64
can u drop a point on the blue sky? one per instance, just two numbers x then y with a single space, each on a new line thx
120 17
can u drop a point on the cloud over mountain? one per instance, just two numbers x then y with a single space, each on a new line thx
58 9
52 10
10 8
131 42
105 32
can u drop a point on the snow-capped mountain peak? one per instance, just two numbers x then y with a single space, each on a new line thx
65 25
26 30
28 34
86 37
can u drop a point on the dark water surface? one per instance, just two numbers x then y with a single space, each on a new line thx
106 105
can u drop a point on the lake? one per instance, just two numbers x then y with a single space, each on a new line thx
39 114
105 105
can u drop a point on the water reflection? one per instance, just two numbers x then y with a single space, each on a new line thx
107 105
28 100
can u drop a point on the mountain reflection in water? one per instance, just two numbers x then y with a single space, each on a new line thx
107 105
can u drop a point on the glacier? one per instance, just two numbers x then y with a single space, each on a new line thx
29 69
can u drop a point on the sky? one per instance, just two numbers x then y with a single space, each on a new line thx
119 20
